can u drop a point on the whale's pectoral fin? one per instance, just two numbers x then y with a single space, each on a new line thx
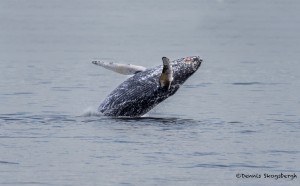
126 69
166 76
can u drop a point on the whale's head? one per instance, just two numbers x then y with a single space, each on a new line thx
184 68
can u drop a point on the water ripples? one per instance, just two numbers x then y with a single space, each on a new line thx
127 143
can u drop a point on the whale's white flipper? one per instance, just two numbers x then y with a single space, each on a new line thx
126 69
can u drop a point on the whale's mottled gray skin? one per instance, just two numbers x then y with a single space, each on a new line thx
141 92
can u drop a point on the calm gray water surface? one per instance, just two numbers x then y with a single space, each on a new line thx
238 114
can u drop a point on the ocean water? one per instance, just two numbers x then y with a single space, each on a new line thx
236 121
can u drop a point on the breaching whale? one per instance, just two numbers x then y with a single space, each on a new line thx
147 87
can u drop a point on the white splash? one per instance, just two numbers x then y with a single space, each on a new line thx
91 111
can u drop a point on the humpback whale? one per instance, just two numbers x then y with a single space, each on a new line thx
147 87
